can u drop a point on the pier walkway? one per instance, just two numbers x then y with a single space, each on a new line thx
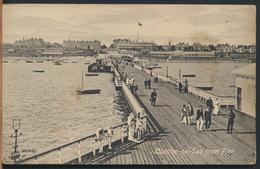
177 143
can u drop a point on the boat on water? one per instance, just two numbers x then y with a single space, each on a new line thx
91 74
87 91
39 61
38 71
29 61
57 63
188 75
87 63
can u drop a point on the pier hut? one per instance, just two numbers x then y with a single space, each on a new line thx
245 83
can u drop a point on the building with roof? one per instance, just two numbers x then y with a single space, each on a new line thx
245 83
178 54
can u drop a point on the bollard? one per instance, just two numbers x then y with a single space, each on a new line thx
79 152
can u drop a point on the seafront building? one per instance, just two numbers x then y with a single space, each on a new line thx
245 83
134 45
81 45
182 55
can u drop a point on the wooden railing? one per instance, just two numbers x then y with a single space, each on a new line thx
88 144
76 149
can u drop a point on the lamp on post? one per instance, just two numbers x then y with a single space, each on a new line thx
16 125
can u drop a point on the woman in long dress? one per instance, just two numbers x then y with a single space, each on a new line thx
216 106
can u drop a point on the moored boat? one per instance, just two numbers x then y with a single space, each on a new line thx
91 74
38 71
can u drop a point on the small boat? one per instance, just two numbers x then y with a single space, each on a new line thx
38 71
87 63
57 63
29 61
205 87
89 91
91 74
40 61
189 75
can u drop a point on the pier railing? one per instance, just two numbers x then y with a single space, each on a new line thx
76 149
201 94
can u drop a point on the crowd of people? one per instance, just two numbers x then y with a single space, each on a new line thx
204 116
137 126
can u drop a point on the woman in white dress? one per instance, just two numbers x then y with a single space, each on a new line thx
216 106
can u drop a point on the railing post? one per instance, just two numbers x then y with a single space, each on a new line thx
79 152
94 147
60 157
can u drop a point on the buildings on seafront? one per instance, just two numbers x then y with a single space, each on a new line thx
182 55
134 45
245 83
81 45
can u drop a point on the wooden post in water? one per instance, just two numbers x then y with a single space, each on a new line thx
79 152
60 157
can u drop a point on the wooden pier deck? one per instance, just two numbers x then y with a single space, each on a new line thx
180 144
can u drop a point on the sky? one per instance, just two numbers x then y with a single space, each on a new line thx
207 24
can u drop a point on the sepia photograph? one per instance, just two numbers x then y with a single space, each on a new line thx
121 84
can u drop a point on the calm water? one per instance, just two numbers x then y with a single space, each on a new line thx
52 113
216 74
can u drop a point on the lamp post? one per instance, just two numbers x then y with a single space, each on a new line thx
16 125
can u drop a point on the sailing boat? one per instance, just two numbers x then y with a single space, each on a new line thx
87 91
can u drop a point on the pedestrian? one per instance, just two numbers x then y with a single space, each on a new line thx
145 83
231 118
191 111
149 83
216 106
209 104
184 118
199 118
207 119
153 97
180 87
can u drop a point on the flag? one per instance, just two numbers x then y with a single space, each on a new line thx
140 24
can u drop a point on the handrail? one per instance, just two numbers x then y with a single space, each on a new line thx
68 144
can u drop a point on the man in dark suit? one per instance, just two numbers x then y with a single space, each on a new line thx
153 97
207 119
231 118
209 103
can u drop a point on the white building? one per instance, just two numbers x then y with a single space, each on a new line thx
245 83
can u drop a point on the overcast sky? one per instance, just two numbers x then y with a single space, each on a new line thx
161 23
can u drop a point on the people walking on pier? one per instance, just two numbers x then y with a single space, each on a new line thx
191 111
207 119
149 83
184 117
180 87
186 86
153 97
231 118
199 118
216 106
145 83
209 104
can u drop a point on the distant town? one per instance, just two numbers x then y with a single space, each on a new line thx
37 47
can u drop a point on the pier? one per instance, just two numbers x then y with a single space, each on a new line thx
176 143
167 141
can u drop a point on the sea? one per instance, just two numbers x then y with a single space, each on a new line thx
51 112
